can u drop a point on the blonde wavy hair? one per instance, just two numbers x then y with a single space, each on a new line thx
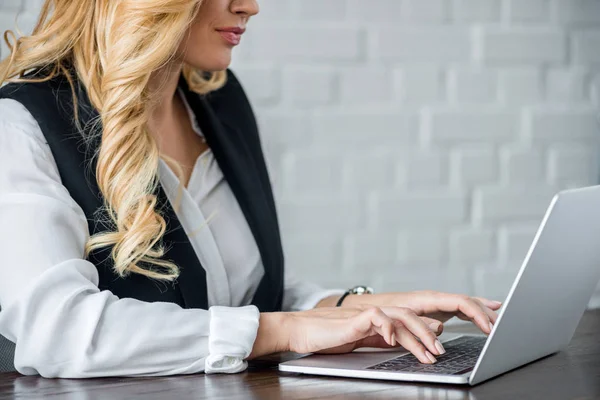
113 47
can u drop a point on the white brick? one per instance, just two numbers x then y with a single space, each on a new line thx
364 128
528 10
323 257
318 10
419 85
556 125
469 246
422 247
422 11
314 213
261 83
309 86
574 164
523 45
272 10
284 128
470 165
392 11
345 280
404 280
522 165
368 250
476 10
418 208
419 169
292 43
375 10
568 86
449 127
514 241
11 6
512 203
421 44
365 85
585 47
520 86
578 11
369 169
473 86
314 172
32 5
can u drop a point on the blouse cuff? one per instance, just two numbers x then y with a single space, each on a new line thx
232 334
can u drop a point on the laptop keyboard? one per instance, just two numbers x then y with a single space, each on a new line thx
460 357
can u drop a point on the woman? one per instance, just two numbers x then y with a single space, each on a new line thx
139 233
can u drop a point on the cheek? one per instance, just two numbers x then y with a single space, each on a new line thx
204 49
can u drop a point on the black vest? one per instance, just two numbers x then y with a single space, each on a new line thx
228 123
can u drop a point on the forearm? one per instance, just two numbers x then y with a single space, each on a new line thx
272 335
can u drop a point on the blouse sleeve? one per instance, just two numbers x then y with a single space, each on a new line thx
300 295
63 325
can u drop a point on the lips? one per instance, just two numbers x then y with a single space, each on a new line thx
233 35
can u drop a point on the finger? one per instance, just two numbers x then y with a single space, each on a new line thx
376 341
410 343
492 304
436 326
372 321
475 313
459 304
417 327
492 315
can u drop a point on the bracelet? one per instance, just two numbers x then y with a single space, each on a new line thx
358 290
339 302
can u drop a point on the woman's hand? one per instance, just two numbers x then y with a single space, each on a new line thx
437 305
343 329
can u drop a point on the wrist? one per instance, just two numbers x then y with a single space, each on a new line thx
349 300
330 301
353 300
358 291
272 336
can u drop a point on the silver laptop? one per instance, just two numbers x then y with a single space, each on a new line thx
538 318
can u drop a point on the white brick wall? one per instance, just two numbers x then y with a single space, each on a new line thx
416 143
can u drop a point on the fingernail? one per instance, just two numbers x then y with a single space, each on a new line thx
491 327
439 347
393 339
498 303
431 357
434 327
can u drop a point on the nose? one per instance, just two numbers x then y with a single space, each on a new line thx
247 8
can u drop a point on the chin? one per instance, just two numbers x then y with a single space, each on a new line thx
215 64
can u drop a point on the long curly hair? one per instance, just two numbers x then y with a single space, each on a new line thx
113 47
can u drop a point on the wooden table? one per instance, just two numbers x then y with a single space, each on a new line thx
574 374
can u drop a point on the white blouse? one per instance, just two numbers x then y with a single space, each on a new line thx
64 326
